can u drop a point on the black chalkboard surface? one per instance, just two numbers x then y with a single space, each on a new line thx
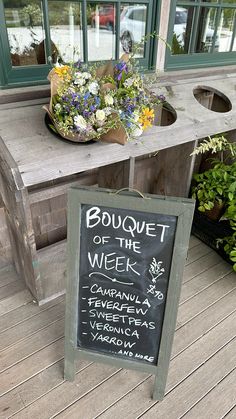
126 257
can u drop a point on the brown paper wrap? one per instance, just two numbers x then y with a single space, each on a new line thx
114 135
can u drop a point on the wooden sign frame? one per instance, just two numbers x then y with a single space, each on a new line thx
183 209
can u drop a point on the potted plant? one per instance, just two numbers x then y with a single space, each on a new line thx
215 192
229 242
215 188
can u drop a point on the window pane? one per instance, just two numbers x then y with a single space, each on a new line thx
194 31
225 29
182 30
65 30
25 32
133 28
101 31
206 39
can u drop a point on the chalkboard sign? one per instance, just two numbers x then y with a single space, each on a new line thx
126 256
125 260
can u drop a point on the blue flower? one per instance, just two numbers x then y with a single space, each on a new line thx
86 96
97 100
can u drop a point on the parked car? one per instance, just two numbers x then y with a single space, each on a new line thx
106 17
133 28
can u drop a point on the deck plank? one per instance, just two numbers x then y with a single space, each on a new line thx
30 366
196 387
29 391
198 303
23 313
218 401
193 241
205 321
196 252
11 289
25 348
202 360
204 280
180 368
65 394
200 265
15 301
231 414
7 276
30 326
181 340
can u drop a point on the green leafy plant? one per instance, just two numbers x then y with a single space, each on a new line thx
216 144
229 242
217 186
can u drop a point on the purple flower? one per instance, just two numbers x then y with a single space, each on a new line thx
85 114
119 68
161 98
78 64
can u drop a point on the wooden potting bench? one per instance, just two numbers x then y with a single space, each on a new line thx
36 169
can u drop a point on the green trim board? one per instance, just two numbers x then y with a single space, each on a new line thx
214 56
32 74
159 292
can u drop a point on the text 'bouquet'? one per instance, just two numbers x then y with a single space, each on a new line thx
108 103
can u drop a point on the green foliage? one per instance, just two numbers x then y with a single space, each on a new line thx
229 243
215 186
215 144
218 186
176 47
32 14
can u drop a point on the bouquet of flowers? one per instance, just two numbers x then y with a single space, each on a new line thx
108 103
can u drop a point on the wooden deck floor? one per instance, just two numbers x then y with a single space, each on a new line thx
202 375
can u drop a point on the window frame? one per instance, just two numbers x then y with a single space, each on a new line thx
197 60
36 74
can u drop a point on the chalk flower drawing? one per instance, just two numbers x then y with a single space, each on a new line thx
156 270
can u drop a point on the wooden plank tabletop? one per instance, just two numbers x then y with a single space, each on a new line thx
42 157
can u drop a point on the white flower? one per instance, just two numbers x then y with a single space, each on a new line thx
128 82
100 115
107 110
80 122
82 89
79 80
58 107
93 88
86 75
135 117
137 131
108 100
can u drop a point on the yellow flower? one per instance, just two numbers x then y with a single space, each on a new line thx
146 118
62 71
